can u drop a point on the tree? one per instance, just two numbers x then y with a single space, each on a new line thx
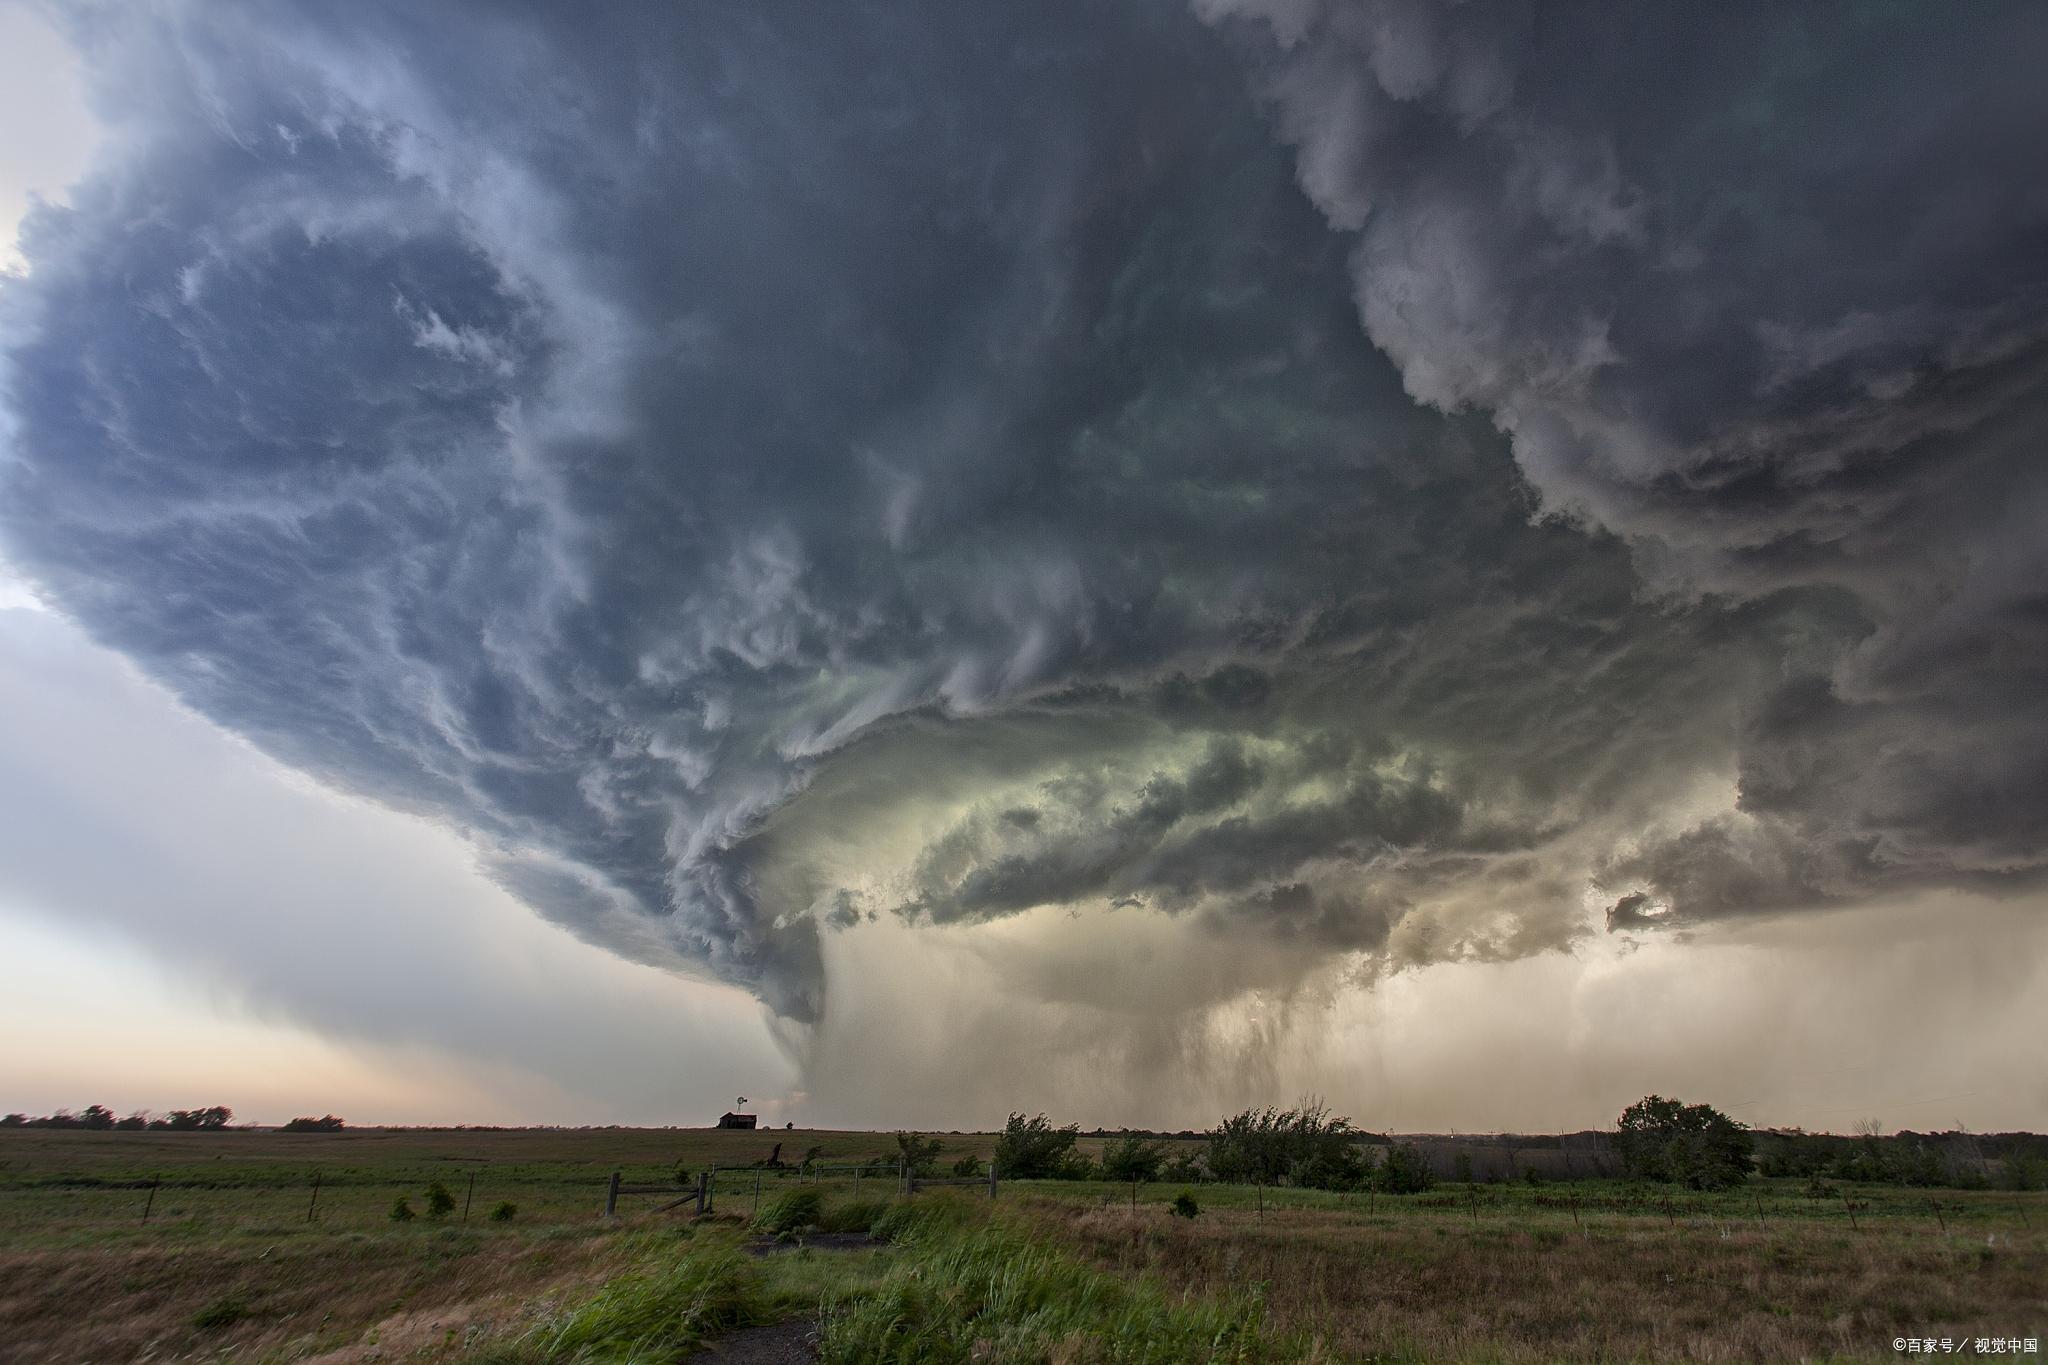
969 1166
97 1117
440 1203
1687 1144
1308 1146
1032 1149
1131 1157
135 1122
196 1120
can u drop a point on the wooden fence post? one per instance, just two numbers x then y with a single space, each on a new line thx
1939 1221
314 1202
711 1188
1757 1200
1853 1225
991 1180
611 1196
150 1202
465 1198
757 1194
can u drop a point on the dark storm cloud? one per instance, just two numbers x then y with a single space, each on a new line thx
754 468
1765 293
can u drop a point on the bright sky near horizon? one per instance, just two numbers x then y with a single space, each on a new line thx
914 612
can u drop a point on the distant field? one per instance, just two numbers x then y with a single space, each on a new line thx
228 1264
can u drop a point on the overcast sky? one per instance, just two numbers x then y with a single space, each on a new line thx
1127 558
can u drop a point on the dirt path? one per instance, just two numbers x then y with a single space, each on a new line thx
784 1343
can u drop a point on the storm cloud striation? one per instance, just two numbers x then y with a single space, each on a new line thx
1384 483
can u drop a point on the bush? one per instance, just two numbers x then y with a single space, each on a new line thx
504 1212
790 1212
1032 1149
327 1123
1306 1146
1130 1157
969 1166
1184 1205
401 1211
1689 1144
440 1203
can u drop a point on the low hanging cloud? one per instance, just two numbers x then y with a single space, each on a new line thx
1376 480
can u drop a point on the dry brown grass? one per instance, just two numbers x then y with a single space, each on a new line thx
1441 1289
320 1296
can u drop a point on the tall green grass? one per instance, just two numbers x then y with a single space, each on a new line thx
989 1295
690 1294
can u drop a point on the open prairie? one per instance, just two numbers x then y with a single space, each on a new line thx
171 1246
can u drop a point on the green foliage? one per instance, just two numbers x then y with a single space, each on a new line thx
1184 1206
327 1123
919 1154
1308 1146
1462 1167
969 1166
222 1312
1032 1149
401 1210
1131 1157
440 1203
1687 1144
1403 1170
504 1211
791 1211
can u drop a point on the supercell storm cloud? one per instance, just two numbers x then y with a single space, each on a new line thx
1385 483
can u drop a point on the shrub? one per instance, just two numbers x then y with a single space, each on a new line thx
969 1166
1032 1149
1130 1157
440 1203
1688 1144
1184 1205
790 1212
327 1123
504 1212
1185 1167
401 1211
222 1312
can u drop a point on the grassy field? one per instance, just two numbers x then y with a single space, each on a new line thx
229 1265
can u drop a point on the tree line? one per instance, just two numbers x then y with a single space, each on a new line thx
1661 1140
101 1119
212 1119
